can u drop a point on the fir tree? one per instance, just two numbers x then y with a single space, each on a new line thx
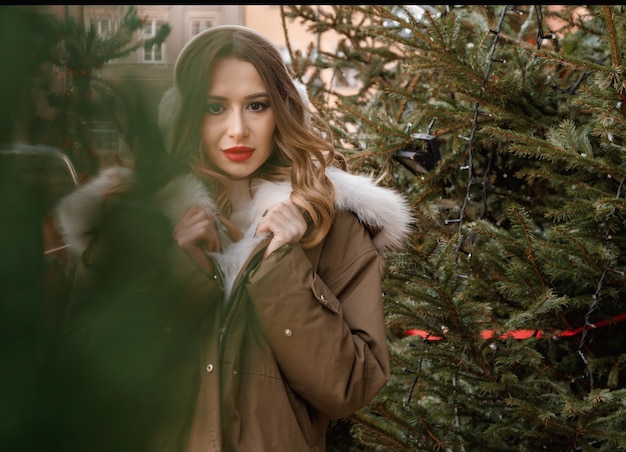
86 95
504 312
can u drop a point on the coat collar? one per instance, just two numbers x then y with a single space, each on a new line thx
382 210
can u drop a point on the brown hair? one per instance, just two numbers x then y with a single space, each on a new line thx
301 153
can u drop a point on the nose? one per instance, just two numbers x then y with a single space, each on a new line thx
237 127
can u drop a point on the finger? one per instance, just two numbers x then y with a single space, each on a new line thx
195 228
286 224
193 233
192 215
283 219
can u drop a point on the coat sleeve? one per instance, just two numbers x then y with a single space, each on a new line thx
136 297
131 333
326 327
133 264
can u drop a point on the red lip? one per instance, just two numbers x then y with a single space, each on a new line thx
238 153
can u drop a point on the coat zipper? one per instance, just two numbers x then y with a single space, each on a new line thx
235 300
217 269
228 318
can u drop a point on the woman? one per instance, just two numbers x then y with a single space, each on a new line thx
269 278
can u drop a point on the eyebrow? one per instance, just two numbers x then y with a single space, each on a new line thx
250 97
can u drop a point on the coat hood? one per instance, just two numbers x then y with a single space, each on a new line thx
382 210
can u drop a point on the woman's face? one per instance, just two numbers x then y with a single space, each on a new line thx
238 125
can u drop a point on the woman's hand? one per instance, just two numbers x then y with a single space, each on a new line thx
195 232
285 222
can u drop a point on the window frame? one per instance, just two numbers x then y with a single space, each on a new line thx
205 22
157 51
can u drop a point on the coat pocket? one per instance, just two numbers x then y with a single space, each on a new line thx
324 295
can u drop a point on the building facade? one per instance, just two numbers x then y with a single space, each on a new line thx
150 70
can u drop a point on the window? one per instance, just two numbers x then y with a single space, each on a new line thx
199 25
102 26
152 53
105 138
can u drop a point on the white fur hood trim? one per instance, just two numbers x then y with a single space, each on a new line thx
81 210
380 209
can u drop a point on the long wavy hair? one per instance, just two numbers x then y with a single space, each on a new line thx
303 143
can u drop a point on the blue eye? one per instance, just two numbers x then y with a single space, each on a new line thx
213 109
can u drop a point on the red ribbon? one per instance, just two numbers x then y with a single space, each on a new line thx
525 334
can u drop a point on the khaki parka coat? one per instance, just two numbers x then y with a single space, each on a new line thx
261 354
